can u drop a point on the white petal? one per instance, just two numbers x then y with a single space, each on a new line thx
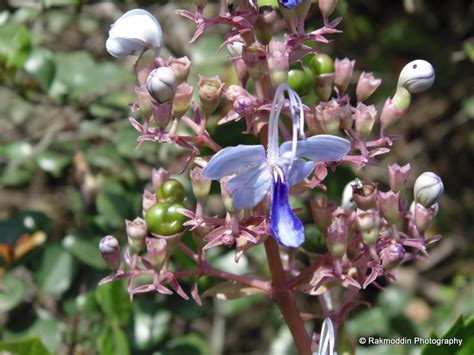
140 27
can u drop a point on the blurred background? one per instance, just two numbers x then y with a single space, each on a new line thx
70 174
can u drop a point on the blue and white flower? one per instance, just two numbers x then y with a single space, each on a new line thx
256 171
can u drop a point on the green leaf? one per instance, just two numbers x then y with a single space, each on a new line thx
114 301
150 326
113 341
22 222
18 151
15 45
393 301
53 163
461 329
12 293
191 344
24 346
86 249
84 78
114 208
40 65
48 329
15 177
56 271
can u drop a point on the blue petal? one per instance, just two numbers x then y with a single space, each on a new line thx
299 171
323 147
289 4
250 186
286 227
231 160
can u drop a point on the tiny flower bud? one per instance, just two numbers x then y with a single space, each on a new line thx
133 32
327 7
243 105
255 57
365 194
210 91
364 117
156 251
162 113
337 236
200 185
366 86
136 233
344 69
161 84
235 47
390 114
322 212
328 116
392 256
397 176
181 68
417 76
110 250
388 205
368 223
323 84
423 216
345 116
149 200
234 91
278 63
263 27
144 100
428 189
182 99
158 177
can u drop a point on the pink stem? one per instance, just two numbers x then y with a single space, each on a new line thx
284 298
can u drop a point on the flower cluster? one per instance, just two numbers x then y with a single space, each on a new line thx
307 125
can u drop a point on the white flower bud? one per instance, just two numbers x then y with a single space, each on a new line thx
132 33
347 202
161 84
428 188
417 76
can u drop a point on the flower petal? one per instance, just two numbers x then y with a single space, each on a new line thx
323 147
286 227
231 160
299 171
138 24
250 187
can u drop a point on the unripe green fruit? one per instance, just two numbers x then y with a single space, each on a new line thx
301 80
322 64
170 191
164 219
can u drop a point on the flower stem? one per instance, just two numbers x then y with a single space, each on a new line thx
284 298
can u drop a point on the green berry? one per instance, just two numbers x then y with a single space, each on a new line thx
170 191
164 219
301 80
322 64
